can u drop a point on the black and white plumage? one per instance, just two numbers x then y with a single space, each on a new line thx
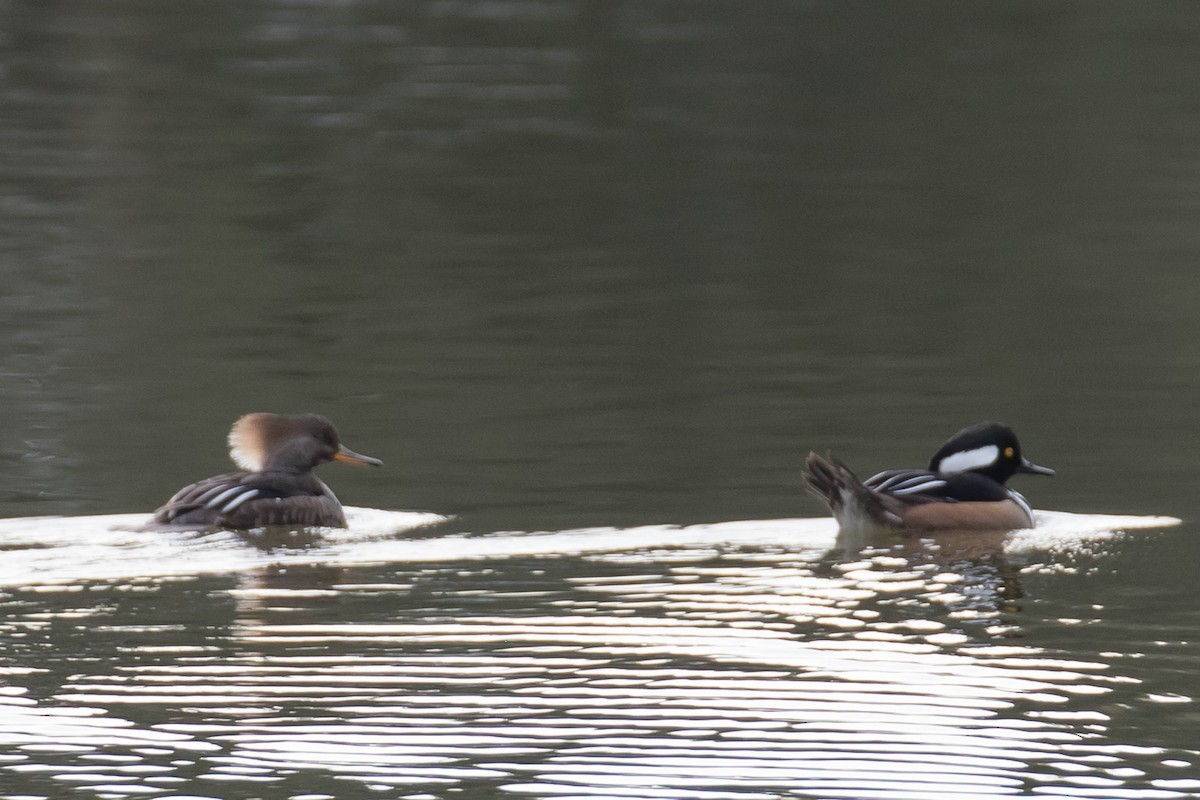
962 489
276 487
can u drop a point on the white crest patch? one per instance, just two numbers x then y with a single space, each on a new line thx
246 446
967 460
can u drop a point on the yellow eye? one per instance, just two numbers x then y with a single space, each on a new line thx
1009 452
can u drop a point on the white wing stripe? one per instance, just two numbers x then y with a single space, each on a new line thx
903 481
208 493
915 479
920 487
250 495
879 487
216 501
885 479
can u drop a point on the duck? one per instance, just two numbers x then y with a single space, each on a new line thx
963 489
275 486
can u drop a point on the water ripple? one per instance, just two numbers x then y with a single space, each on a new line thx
777 667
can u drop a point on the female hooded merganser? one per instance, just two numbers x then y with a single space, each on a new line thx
963 489
278 454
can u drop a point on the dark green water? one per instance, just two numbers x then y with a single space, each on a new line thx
589 264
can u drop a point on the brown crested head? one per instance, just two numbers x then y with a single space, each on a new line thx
288 443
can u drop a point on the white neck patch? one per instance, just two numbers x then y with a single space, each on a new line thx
967 460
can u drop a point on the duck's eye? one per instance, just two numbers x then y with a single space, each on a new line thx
1009 452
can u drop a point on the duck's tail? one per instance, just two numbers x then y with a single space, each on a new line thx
854 505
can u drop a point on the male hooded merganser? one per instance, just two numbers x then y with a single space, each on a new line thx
963 489
278 453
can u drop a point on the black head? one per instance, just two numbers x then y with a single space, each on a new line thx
288 443
988 448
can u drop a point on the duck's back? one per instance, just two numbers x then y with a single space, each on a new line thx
243 500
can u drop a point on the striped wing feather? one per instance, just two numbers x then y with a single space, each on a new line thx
242 500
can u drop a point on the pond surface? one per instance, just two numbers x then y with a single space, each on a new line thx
592 279
738 659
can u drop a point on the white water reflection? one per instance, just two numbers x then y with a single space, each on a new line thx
62 551
735 660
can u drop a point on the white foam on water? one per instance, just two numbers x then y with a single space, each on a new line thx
65 551
1058 529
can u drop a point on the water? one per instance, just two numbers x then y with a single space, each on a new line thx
738 659
591 279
